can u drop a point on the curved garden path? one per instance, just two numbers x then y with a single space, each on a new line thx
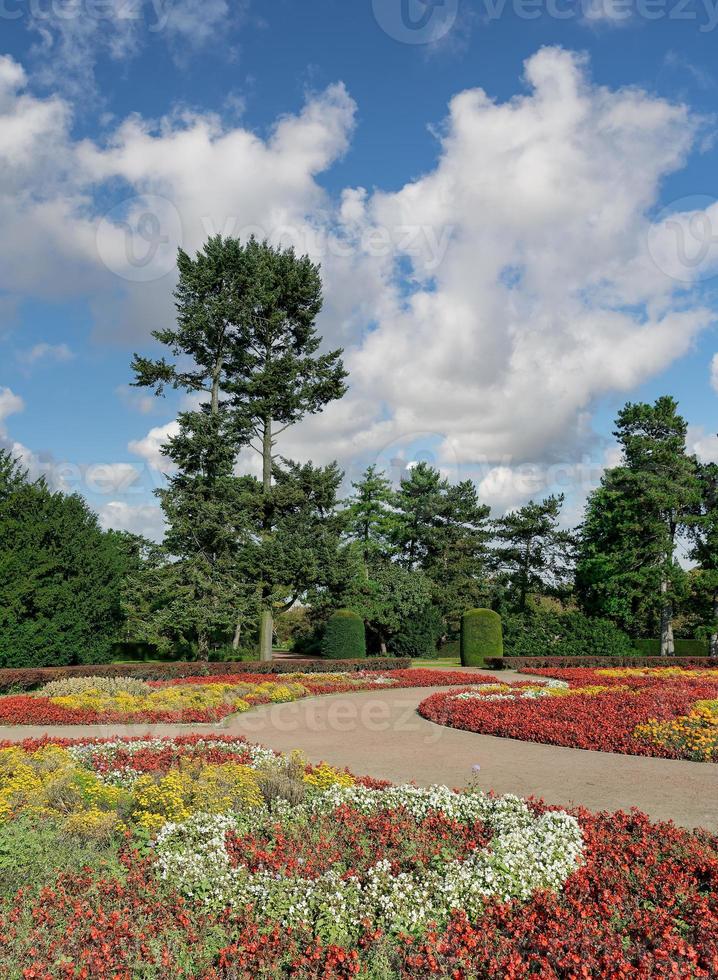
380 733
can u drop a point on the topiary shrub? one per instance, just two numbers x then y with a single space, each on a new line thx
480 637
344 636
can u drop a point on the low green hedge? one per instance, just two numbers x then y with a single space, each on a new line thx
519 663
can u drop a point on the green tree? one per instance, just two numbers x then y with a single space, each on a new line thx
280 378
533 554
386 599
627 568
704 551
301 553
246 338
442 530
60 576
369 517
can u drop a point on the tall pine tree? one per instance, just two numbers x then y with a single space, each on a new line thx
627 568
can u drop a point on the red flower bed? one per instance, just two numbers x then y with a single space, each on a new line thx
644 904
26 709
604 722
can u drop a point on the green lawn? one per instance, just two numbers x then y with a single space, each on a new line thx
440 662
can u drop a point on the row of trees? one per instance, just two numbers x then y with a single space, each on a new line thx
243 548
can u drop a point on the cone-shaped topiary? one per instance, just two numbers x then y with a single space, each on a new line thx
480 637
344 636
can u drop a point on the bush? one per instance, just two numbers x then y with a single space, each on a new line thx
344 636
545 633
419 635
480 637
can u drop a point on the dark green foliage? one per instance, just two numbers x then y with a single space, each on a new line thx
419 635
59 576
480 637
544 633
344 636
533 554
442 530
627 568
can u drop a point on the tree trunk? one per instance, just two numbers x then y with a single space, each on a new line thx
667 646
382 648
266 622
237 634
203 646
266 631
713 643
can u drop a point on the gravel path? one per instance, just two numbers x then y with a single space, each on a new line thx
380 733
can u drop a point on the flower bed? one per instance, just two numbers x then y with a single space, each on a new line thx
670 712
213 858
118 700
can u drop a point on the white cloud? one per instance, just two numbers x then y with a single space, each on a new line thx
71 38
714 373
10 404
546 298
537 283
144 519
150 446
703 444
45 352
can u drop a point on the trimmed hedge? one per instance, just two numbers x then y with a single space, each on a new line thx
28 679
344 636
480 637
521 663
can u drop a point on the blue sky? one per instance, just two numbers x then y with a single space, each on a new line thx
503 266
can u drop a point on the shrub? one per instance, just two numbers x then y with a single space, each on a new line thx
546 633
419 635
344 636
480 637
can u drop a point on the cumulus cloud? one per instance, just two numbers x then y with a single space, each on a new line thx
150 446
546 296
703 444
485 306
143 519
714 373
